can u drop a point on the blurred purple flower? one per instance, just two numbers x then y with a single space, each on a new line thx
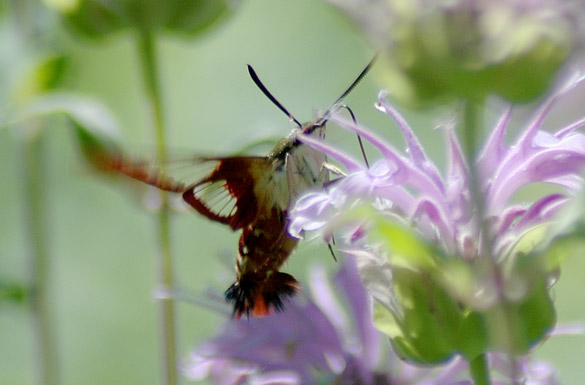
311 341
330 339
410 187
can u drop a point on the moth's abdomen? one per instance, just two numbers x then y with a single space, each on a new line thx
260 287
257 296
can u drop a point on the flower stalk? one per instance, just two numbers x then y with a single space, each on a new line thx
472 128
36 223
479 370
147 50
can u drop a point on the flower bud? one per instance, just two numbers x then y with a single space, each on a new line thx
441 51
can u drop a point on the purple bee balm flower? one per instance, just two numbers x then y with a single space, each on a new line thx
426 256
410 187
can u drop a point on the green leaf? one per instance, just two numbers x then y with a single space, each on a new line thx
95 19
406 249
518 325
564 238
552 243
12 292
96 128
430 326
425 318
472 337
46 75
528 241
428 316
537 317
85 112
563 247
98 18
191 18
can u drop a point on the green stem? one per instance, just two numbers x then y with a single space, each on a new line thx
148 57
36 224
472 130
479 370
472 119
35 187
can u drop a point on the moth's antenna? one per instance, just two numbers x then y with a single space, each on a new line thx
355 82
331 250
362 74
359 137
265 91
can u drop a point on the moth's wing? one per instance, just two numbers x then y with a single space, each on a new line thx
234 192
175 176
221 188
305 168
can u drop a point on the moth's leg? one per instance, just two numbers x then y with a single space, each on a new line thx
328 167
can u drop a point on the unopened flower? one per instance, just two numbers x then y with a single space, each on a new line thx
440 289
444 50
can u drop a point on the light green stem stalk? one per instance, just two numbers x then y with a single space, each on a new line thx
504 314
45 347
36 230
471 124
148 57
479 370
471 131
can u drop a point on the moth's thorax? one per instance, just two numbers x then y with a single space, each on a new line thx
284 146
295 166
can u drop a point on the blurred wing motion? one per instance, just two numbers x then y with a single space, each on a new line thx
225 194
144 171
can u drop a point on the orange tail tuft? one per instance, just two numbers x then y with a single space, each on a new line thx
257 297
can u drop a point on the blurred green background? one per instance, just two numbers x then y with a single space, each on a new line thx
103 244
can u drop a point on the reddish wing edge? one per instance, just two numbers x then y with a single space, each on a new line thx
142 171
226 195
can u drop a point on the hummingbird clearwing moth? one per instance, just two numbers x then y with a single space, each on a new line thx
251 194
